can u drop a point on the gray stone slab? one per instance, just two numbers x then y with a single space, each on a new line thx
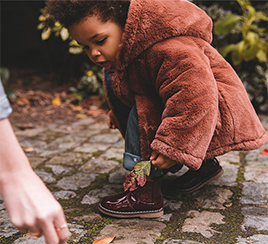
90 147
58 169
255 217
254 193
255 157
100 166
27 239
74 182
77 232
229 176
200 222
170 241
45 176
165 217
255 239
256 173
36 161
119 176
64 195
104 138
213 198
68 158
29 132
95 196
133 231
88 217
6 228
114 153
174 205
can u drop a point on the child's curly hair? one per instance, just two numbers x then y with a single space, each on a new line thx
72 11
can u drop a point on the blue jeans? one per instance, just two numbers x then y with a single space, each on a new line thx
132 153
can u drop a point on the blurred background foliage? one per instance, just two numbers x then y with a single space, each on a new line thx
239 34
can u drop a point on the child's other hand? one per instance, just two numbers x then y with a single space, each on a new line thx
160 161
111 123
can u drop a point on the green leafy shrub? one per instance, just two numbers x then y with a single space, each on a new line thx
253 44
4 75
91 81
240 35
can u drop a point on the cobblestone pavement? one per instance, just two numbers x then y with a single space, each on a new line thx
81 163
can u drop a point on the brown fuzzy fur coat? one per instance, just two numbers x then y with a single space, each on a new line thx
191 103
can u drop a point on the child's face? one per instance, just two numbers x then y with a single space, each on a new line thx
100 40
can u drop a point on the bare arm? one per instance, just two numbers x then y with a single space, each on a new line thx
30 205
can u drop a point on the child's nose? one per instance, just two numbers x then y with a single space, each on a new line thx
95 53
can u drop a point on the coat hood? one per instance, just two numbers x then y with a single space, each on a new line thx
151 21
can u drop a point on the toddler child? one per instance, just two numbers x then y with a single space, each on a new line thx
173 97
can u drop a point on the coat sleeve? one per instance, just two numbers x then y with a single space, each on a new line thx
5 108
186 85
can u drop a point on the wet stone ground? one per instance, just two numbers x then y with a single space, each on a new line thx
81 163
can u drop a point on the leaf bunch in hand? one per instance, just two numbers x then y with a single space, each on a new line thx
137 177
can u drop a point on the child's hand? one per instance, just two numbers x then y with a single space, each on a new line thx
160 161
111 122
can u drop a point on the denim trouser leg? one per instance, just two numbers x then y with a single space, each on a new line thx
132 153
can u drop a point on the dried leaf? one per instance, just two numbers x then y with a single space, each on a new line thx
56 101
264 152
81 116
28 149
137 177
21 101
106 240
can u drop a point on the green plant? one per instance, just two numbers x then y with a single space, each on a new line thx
253 44
91 81
4 75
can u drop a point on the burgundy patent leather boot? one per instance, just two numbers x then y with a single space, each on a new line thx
144 202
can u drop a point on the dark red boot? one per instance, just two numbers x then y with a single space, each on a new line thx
144 202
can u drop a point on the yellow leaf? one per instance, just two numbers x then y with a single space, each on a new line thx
81 116
106 240
56 101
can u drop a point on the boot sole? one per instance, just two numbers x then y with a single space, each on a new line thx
137 214
195 188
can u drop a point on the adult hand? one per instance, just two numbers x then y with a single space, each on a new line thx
30 205
160 161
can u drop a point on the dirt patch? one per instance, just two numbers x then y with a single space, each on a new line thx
40 100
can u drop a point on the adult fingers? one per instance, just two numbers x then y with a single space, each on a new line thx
61 228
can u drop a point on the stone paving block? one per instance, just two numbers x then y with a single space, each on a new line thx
200 222
45 176
26 239
67 159
74 182
229 176
128 231
119 176
255 217
255 156
254 193
90 148
256 173
255 239
114 153
213 198
98 166
58 169
6 228
104 138
180 242
174 205
64 195
95 196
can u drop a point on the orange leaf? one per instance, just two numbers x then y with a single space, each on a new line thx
56 101
264 152
21 101
106 240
